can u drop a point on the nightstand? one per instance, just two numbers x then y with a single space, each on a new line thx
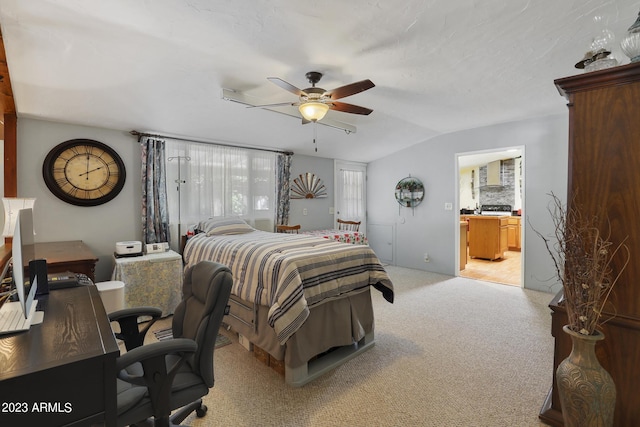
151 280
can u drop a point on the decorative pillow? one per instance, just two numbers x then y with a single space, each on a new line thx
224 225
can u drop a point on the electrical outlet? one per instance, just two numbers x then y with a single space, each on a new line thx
426 257
305 211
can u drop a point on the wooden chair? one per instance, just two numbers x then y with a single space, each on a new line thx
348 225
288 228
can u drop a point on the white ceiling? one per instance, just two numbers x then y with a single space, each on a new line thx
160 66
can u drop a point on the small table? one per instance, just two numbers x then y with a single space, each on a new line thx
343 236
151 280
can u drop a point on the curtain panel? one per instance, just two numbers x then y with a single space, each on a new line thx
352 195
155 213
283 182
221 181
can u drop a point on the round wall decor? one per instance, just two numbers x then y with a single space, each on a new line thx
308 186
84 172
409 192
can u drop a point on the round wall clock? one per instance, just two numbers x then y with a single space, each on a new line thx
84 172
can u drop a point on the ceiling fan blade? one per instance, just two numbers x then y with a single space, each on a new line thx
351 89
280 104
286 86
350 108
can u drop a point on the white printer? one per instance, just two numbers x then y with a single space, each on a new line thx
130 248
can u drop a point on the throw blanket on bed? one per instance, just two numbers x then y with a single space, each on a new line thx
290 273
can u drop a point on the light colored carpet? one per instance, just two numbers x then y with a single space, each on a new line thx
449 352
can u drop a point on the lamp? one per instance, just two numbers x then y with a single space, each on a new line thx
11 208
313 110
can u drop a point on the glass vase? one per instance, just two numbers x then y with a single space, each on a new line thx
630 44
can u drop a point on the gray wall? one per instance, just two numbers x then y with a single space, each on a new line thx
54 220
119 220
318 215
431 229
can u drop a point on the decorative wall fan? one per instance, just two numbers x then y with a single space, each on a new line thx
307 186
314 102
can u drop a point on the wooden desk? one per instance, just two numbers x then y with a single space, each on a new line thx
5 254
74 256
65 365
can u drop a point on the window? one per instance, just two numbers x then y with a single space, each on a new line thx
215 180
351 189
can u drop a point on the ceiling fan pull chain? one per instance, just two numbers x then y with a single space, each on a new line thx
315 135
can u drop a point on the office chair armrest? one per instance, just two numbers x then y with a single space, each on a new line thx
131 331
135 311
157 373
156 350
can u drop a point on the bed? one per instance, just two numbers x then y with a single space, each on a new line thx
305 300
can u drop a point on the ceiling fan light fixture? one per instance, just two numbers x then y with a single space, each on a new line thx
313 111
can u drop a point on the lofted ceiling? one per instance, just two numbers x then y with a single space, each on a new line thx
439 66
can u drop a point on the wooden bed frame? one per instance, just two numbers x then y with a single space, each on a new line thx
335 332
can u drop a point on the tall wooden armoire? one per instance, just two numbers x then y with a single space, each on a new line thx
604 172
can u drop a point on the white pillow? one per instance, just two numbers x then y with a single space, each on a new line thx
224 225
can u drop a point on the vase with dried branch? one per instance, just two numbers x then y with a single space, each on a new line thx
583 256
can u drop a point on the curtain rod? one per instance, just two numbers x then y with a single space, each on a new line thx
155 135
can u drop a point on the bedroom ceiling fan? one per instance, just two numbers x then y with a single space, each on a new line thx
314 102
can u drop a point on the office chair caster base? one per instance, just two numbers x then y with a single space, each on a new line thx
201 411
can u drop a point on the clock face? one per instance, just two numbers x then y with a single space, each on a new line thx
84 172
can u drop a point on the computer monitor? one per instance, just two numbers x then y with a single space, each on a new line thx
23 250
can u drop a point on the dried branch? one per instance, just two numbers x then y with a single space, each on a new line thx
582 257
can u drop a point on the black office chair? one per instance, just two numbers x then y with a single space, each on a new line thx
134 324
156 378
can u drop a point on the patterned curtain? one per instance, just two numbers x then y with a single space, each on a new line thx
155 213
283 175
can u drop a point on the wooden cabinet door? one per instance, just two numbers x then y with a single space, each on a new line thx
511 236
504 240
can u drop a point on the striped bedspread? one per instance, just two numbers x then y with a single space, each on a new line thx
289 273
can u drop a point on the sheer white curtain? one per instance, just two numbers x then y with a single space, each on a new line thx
352 195
219 181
